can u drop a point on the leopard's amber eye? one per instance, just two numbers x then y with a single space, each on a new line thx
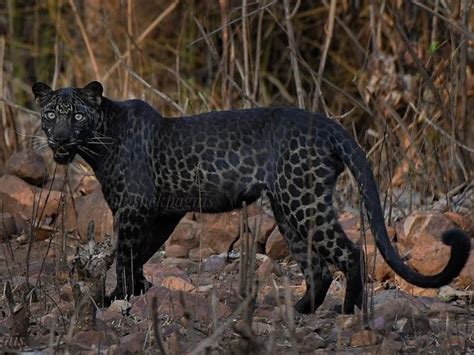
50 115
79 117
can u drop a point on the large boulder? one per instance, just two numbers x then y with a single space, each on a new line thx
29 166
18 198
93 207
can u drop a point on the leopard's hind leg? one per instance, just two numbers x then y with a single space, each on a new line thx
318 277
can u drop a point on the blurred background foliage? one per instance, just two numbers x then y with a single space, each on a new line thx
398 74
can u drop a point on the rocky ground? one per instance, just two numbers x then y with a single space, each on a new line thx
196 303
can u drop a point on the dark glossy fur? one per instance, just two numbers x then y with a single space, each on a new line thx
154 169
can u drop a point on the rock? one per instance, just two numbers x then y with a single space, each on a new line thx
382 271
413 325
176 251
219 231
7 225
177 284
390 346
120 306
97 340
88 185
314 341
28 166
422 234
415 290
429 255
424 224
214 263
188 266
93 207
17 197
261 328
156 271
264 271
198 254
405 315
174 346
133 343
267 225
176 304
363 338
277 246
184 238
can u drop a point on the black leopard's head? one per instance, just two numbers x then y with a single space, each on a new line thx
69 117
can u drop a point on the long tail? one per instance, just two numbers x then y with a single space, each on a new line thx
354 158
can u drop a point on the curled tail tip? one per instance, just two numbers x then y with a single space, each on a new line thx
457 238
460 243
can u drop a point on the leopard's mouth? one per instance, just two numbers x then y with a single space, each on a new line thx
63 156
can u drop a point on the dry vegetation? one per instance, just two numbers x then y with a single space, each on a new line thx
398 74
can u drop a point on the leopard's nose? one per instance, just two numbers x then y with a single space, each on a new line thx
62 139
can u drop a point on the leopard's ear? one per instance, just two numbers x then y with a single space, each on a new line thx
41 92
94 91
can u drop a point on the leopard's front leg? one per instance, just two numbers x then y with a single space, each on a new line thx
134 229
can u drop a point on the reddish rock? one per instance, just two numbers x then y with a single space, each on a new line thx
93 207
184 238
155 271
7 225
415 290
177 284
176 251
29 166
363 338
177 304
277 246
98 340
17 197
418 224
88 185
198 254
218 232
267 225
382 272
429 255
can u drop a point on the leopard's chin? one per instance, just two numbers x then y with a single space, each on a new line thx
63 156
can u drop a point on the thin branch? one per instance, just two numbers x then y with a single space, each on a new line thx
454 24
294 56
18 107
86 39
145 83
327 44
217 30
142 36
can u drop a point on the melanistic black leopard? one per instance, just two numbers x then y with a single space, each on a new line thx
154 169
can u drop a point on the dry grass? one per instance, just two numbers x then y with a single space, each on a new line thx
402 69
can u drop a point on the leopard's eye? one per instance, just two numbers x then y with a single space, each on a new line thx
79 117
50 115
